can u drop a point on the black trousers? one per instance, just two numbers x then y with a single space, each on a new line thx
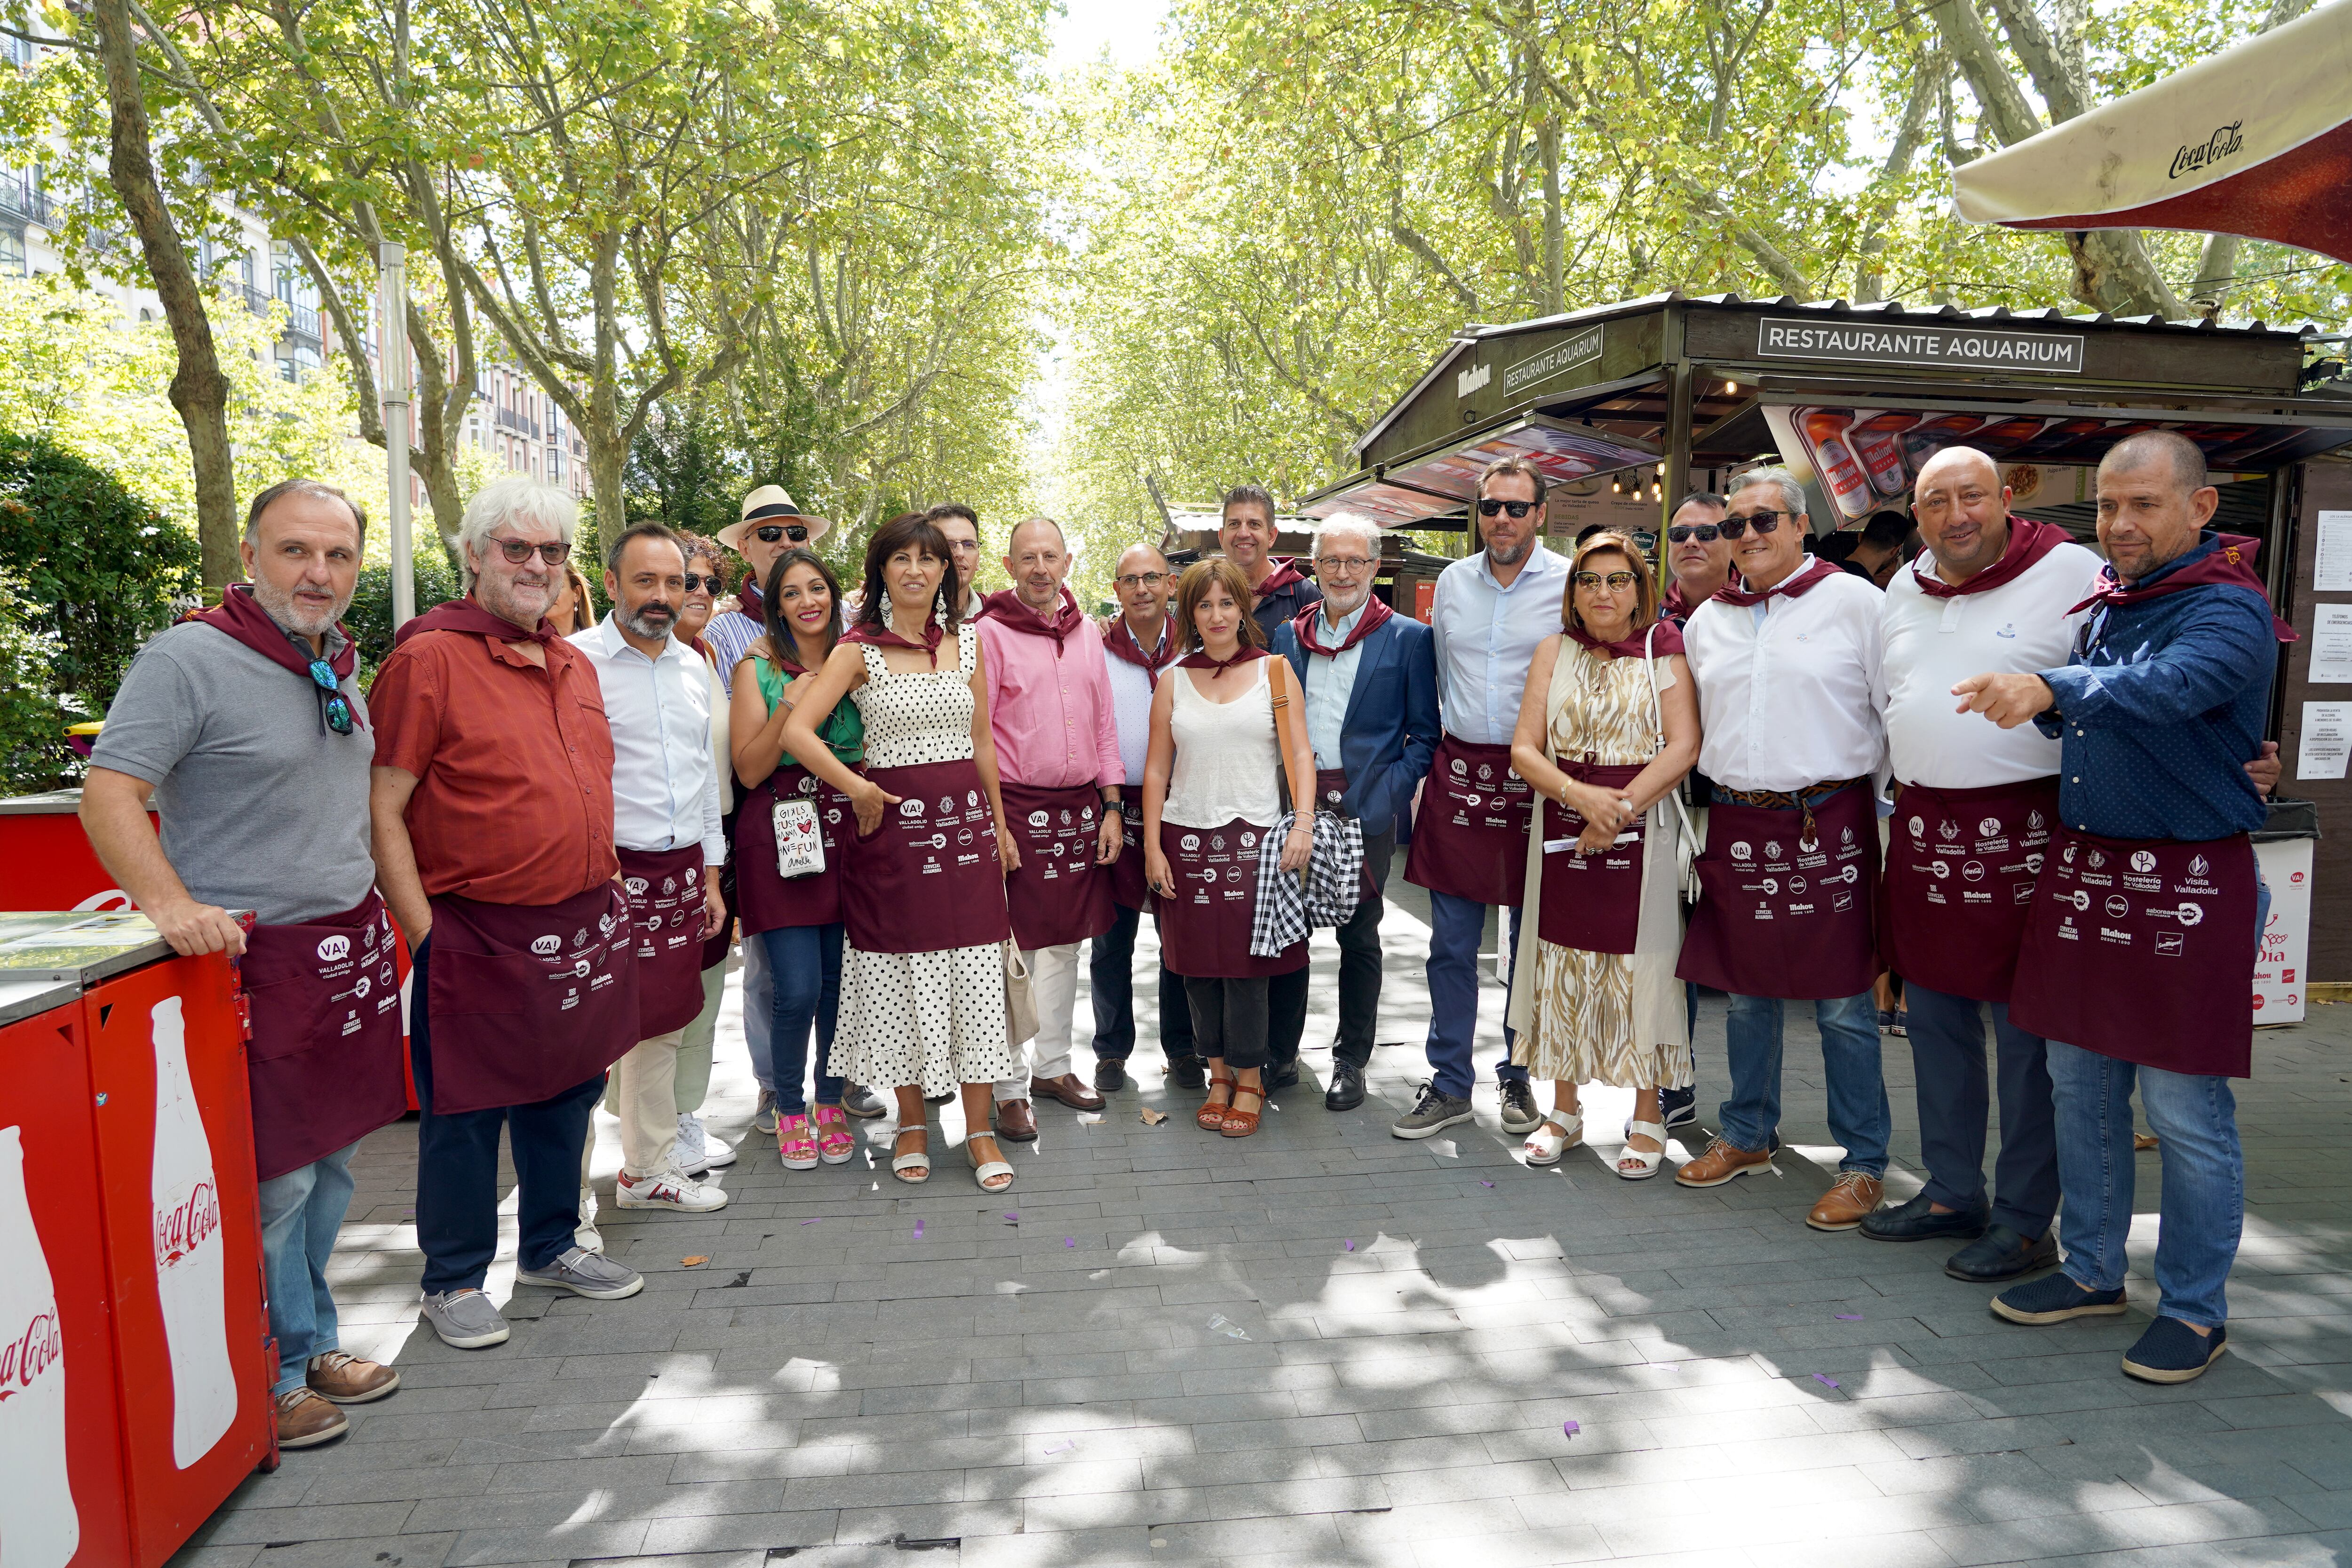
1110 967
1947 1060
1359 974
1229 1019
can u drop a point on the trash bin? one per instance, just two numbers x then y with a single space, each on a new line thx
2283 848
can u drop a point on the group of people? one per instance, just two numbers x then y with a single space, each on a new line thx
2017 776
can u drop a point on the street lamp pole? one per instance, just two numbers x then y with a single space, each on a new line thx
392 263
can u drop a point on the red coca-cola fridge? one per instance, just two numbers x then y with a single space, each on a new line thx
178 1225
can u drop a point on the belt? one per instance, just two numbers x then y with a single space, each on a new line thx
1803 799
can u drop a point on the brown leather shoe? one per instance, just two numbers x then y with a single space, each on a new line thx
1069 1088
347 1379
305 1420
1720 1162
1850 1199
1016 1122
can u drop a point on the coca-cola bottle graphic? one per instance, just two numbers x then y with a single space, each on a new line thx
191 1262
39 1527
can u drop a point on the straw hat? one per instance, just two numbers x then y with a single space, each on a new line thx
768 504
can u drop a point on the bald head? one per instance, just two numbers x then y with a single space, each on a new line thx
1037 559
1145 585
1962 509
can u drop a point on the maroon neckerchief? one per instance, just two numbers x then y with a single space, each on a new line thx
2028 542
1661 637
1368 621
240 616
1283 575
884 636
1120 643
1004 607
1796 584
1217 667
2232 564
465 615
747 599
1676 607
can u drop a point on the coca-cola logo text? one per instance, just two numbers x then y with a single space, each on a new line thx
186 1225
40 1347
2212 149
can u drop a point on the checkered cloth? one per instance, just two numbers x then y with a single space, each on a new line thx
1335 876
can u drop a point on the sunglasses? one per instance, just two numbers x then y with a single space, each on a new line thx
517 552
709 580
337 707
1616 580
1705 532
1515 508
1763 521
774 531
1142 580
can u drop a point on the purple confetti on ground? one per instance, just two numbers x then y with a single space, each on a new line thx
1849 1317
1013 1217
1069 1241
1824 1377
812 1222
1061 1447
1485 1184
1350 1246
1570 1428
918 1230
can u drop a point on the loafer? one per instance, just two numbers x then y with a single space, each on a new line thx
1069 1088
858 1101
305 1420
1918 1221
1720 1162
1346 1090
1188 1072
2055 1298
2002 1254
2172 1351
465 1320
1110 1075
1016 1122
345 1379
1678 1107
584 1273
1519 1112
1852 1199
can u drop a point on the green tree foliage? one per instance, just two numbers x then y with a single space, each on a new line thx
34 753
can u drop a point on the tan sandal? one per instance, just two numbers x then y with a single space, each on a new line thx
1212 1116
1240 1123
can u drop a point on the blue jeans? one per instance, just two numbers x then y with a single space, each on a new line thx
1456 929
2204 1205
301 1212
1859 1116
1948 1060
804 976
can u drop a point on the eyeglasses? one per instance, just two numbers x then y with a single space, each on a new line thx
772 532
1764 522
1134 580
1617 581
517 552
695 583
337 707
1683 533
1515 508
1349 564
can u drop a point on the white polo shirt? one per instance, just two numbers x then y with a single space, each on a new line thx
1790 691
1934 643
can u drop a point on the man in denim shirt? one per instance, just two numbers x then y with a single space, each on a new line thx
2122 970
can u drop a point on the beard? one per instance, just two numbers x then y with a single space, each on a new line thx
280 606
652 620
1347 602
1510 556
524 599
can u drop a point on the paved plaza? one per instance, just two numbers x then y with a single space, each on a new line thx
1325 1346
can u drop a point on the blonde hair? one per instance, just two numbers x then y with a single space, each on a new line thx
1646 585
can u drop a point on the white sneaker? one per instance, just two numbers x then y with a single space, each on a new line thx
668 1190
585 1234
699 1152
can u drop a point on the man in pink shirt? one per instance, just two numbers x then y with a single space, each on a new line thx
1049 706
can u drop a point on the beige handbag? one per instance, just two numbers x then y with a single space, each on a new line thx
1020 1000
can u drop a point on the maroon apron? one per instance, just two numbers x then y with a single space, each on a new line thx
529 1000
1781 917
2143 950
1330 789
665 889
1590 903
325 1062
1962 865
1204 926
1128 887
769 901
1470 837
1059 895
929 878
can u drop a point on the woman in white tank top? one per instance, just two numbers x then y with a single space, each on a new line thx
1227 728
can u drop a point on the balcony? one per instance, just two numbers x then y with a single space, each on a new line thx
25 201
509 420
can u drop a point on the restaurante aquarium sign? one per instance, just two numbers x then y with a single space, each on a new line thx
1960 348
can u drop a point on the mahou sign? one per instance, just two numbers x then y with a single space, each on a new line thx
186 1225
40 1347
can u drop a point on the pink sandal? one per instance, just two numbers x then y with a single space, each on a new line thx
793 1143
833 1142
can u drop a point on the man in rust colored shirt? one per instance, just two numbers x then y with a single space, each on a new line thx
492 801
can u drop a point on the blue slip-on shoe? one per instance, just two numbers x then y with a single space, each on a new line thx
2055 1298
2172 1351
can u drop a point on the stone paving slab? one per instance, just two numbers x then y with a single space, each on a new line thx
1326 1346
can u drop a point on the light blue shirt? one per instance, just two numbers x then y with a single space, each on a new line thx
1329 683
1486 636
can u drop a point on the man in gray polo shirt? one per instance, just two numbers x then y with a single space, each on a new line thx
247 724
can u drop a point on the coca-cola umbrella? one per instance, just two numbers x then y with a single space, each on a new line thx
2256 141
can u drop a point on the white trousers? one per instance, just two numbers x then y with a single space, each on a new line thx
1053 982
645 1088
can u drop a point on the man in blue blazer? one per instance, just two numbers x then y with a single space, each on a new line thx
1370 679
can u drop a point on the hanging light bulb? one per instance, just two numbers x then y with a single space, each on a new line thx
1731 386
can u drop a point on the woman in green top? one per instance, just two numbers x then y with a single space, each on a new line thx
798 921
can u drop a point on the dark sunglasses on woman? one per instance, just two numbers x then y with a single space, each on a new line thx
1764 521
709 580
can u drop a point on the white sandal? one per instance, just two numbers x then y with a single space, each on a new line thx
980 1173
1545 1147
918 1162
1633 1163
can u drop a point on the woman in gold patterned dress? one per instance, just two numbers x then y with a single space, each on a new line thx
1607 730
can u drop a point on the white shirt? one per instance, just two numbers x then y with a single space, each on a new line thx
1932 643
1791 697
665 787
1487 635
1131 706
1329 683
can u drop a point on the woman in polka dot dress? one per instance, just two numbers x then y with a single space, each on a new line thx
923 886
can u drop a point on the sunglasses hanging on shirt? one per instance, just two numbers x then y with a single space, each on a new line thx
335 708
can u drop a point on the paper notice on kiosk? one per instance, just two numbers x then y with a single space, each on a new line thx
2331 565
2331 645
2327 741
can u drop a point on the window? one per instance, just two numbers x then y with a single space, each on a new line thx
12 253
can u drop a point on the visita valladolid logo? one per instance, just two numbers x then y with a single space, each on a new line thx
2224 141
